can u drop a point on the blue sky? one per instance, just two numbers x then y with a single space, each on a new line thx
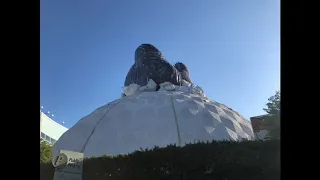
231 47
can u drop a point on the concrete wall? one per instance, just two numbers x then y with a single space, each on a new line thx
50 128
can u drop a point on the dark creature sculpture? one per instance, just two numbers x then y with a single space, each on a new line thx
184 71
150 64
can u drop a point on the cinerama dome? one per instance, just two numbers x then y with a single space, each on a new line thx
160 105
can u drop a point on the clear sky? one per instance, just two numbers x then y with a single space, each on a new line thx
231 47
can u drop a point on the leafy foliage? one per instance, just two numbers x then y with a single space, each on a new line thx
273 106
45 151
272 122
220 160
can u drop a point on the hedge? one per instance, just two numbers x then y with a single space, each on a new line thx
223 160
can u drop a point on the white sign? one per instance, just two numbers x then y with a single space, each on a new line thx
60 161
262 134
69 165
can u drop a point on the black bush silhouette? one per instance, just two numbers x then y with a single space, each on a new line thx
223 160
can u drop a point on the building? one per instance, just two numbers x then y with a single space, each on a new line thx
50 130
256 122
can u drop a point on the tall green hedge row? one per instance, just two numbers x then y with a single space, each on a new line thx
223 160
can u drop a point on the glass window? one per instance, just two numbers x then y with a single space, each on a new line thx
43 135
53 141
48 138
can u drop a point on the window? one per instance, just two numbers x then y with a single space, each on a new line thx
47 138
43 136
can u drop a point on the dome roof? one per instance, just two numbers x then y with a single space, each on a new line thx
146 118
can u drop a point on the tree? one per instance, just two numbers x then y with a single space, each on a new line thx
45 151
273 106
272 121
272 124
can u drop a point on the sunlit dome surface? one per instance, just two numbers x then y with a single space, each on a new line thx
154 113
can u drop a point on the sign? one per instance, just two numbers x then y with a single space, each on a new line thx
69 165
60 161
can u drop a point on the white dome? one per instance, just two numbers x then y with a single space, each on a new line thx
158 118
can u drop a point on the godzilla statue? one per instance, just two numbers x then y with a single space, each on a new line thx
150 64
178 113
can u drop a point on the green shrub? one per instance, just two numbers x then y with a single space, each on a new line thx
45 152
272 124
225 160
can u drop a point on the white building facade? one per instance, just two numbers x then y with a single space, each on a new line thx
50 131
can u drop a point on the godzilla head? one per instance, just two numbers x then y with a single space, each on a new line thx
146 52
